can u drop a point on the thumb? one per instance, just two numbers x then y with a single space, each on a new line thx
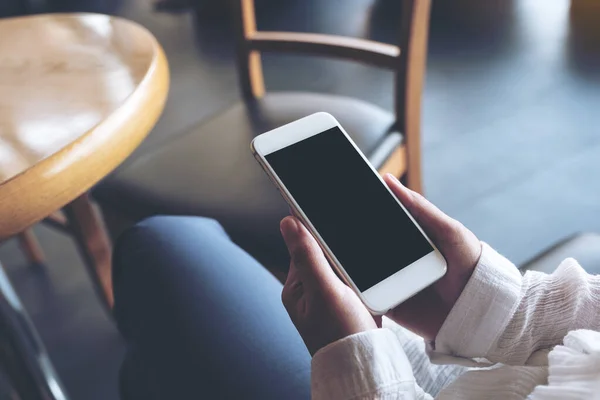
307 257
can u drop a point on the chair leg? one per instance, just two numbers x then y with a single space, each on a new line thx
409 175
395 163
88 229
413 177
31 247
22 354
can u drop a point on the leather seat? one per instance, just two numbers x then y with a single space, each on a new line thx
584 247
211 171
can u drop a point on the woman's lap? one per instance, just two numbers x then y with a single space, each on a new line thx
201 317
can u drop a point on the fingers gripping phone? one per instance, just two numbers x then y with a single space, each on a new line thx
365 232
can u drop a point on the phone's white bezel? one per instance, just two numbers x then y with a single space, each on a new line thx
391 291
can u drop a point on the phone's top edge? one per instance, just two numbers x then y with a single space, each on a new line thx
293 132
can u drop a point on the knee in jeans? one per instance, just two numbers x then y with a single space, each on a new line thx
161 223
150 235
154 228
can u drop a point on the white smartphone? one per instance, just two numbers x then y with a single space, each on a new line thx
366 233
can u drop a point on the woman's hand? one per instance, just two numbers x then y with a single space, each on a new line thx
425 312
324 309
321 306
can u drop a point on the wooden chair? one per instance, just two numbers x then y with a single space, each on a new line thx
210 171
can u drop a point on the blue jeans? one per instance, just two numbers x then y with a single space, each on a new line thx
202 318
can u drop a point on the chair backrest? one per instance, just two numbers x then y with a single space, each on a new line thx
407 59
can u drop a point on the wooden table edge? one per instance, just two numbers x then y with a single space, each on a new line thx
35 193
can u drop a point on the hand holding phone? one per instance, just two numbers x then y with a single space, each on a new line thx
425 312
321 306
324 309
366 234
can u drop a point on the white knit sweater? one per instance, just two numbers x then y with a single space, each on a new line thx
508 337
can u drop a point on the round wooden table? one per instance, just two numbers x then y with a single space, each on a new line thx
78 93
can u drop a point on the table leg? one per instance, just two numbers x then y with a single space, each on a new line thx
88 230
22 353
31 247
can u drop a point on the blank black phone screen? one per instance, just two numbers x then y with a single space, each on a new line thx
357 217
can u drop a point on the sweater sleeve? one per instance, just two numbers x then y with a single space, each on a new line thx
432 378
367 365
505 317
573 369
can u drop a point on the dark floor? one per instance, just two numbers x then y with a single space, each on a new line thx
511 137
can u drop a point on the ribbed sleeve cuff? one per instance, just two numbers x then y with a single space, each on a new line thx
482 311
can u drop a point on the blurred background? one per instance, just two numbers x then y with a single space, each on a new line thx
510 139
